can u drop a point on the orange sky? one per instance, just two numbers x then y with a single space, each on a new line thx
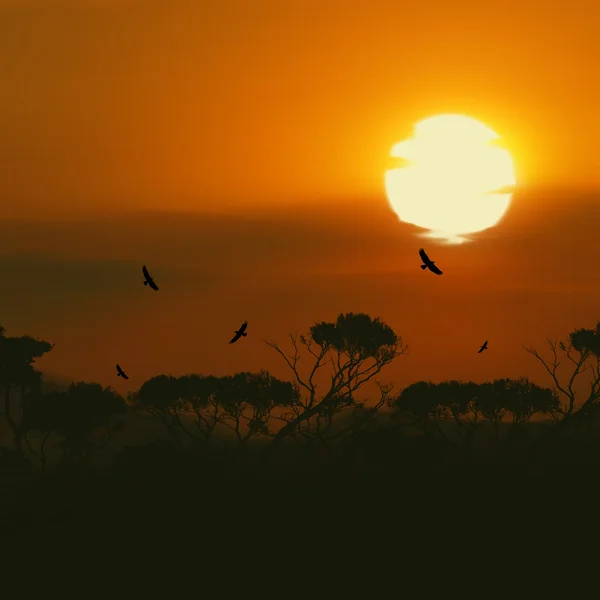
78 284
259 132
183 103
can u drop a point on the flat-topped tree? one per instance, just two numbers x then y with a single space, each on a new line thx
429 405
18 377
192 406
247 401
85 418
469 405
163 397
199 392
354 350
524 399
421 404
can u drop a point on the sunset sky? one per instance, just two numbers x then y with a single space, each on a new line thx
238 148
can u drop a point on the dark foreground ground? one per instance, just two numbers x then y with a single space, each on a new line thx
173 494
418 518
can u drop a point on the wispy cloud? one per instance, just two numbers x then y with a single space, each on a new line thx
79 284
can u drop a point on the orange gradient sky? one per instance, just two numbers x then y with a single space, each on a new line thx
183 104
244 144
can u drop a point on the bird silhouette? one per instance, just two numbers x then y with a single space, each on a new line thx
484 347
429 264
148 280
121 373
241 332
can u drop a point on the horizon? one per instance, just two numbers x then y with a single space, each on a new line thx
355 260
242 154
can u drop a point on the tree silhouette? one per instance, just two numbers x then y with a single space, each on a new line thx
462 399
582 351
164 397
356 348
193 406
469 405
428 405
17 374
491 401
199 394
524 399
421 404
85 417
247 401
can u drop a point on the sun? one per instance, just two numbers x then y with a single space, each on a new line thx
456 179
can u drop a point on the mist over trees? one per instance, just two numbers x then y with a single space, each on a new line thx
337 417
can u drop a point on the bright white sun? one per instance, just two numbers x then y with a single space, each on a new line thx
453 181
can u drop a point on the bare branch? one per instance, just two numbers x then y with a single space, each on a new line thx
551 368
580 365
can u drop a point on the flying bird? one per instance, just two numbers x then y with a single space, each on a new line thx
484 347
121 373
148 280
429 264
240 332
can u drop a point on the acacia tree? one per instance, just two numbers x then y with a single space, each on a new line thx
428 405
469 405
524 399
193 406
353 350
491 401
582 354
247 401
517 399
199 394
178 402
463 400
85 417
420 404
19 378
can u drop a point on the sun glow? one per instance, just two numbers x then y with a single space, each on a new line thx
456 179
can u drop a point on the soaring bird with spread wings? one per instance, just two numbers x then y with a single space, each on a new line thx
148 280
429 264
484 347
241 332
121 373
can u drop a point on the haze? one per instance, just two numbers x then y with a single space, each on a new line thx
223 140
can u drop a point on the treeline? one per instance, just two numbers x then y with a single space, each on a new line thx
470 406
319 408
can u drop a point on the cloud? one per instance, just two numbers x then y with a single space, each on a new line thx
532 245
67 269
78 284
231 246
